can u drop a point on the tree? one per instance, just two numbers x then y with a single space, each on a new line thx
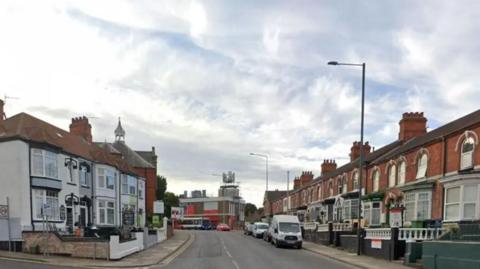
161 187
170 200
250 209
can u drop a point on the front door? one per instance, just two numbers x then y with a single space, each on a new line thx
70 218
83 217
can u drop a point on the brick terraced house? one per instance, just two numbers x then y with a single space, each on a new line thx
418 180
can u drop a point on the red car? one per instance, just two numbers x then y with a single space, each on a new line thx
223 227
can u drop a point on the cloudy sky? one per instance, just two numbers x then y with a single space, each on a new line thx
208 82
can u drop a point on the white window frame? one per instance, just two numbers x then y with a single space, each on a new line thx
355 180
368 211
124 184
46 198
43 159
415 202
461 203
345 184
101 182
402 169
392 172
104 207
466 158
376 180
83 176
422 165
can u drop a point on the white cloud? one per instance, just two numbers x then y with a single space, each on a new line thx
208 82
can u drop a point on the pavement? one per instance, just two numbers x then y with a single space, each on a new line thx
364 262
144 259
233 250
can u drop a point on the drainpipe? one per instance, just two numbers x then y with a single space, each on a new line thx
444 169
30 178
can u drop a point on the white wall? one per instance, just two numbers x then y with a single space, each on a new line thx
15 180
106 194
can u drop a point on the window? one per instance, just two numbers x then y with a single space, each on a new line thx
339 185
422 166
417 206
372 213
466 159
83 176
461 203
355 181
350 209
140 189
101 178
46 204
111 179
344 181
124 184
391 175
132 185
376 180
401 173
44 163
330 187
319 192
106 212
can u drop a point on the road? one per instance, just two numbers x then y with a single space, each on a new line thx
233 250
226 250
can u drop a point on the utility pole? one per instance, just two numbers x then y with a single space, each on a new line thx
288 191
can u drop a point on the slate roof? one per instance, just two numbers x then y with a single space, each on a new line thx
29 128
274 195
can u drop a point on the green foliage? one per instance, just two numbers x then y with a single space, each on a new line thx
161 187
250 209
170 200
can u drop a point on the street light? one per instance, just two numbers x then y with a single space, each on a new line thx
266 166
361 148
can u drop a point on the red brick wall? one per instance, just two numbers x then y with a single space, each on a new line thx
150 175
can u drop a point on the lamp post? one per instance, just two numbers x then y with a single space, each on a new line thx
361 149
266 166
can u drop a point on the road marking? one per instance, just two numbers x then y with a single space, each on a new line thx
177 252
235 264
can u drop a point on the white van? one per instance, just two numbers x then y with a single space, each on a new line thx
285 231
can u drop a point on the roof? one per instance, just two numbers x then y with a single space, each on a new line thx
274 195
442 131
29 128
131 156
149 156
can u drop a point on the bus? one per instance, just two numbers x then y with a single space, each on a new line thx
191 223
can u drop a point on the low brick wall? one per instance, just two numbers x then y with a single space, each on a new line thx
74 247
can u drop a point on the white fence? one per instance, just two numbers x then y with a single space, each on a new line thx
378 233
119 250
322 227
421 234
310 226
341 227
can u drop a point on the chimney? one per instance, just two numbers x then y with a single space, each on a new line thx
296 183
412 124
355 150
2 112
328 166
306 177
81 127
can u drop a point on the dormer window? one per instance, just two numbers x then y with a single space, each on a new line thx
422 165
466 158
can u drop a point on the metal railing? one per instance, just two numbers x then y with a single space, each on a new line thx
378 233
421 234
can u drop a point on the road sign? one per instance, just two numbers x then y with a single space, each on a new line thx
158 207
3 211
177 213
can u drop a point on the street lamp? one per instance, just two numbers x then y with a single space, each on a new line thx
361 148
266 166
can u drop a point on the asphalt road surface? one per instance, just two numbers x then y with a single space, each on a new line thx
10 264
233 250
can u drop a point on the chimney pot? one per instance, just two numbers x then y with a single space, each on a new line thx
412 124
81 127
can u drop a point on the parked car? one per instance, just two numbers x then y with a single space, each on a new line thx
248 229
285 231
259 228
223 227
206 226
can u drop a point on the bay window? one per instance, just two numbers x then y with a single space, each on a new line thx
417 205
46 205
124 184
44 163
466 158
132 185
350 209
106 178
106 212
461 203
372 213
